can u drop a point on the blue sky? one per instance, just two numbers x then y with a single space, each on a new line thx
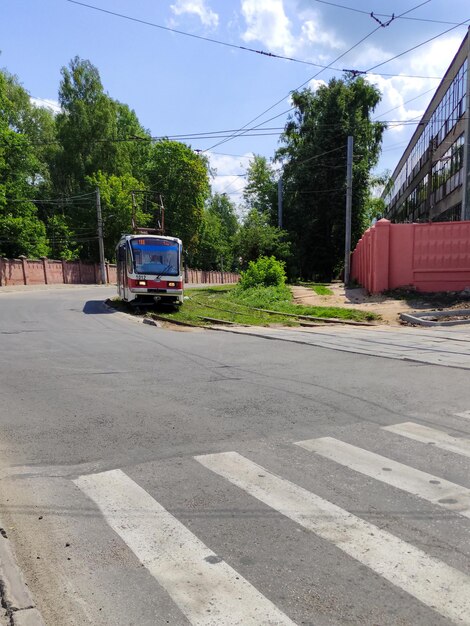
179 85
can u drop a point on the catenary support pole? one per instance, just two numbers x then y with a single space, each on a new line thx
279 202
100 237
347 241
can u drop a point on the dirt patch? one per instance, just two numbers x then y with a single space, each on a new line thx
387 306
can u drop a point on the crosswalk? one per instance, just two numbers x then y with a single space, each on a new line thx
209 591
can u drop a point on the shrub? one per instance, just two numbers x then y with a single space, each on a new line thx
264 272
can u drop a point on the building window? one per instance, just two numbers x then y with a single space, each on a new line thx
443 119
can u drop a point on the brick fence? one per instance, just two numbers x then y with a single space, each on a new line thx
44 271
427 257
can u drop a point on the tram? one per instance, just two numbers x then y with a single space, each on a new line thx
149 269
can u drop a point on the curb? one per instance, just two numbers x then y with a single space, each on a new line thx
420 317
16 598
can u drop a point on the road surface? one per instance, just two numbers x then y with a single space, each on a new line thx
152 476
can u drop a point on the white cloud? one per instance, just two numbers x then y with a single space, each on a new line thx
229 174
288 33
196 7
267 22
406 98
313 33
45 103
315 83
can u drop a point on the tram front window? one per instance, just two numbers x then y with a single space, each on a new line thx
155 257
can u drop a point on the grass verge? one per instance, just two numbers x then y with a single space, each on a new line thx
319 288
232 304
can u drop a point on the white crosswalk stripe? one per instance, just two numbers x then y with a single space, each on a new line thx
432 436
432 488
205 588
433 582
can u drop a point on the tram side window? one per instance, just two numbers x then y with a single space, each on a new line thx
122 254
130 268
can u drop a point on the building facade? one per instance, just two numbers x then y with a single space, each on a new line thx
432 179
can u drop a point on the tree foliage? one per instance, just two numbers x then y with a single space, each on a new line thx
260 192
257 238
215 245
182 177
314 153
21 232
264 272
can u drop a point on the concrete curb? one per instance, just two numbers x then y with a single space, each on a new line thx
137 320
420 317
16 598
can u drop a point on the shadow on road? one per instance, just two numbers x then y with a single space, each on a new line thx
97 307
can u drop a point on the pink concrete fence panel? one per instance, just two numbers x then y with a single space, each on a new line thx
427 257
50 272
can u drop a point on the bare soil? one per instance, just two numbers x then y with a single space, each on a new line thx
387 306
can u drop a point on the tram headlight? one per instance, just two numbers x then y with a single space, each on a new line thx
171 284
142 283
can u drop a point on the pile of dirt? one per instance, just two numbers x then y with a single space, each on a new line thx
388 306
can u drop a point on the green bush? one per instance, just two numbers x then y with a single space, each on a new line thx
264 272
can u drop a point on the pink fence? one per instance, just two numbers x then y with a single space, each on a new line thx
49 272
204 277
427 257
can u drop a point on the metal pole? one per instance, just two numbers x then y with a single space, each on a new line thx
100 237
279 202
347 242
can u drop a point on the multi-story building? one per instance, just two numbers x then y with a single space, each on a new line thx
432 179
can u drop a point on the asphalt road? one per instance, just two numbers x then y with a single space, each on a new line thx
151 476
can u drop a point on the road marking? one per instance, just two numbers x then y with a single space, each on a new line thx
205 588
432 488
431 581
424 434
464 414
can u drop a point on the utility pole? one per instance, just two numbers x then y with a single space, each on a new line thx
279 202
347 242
100 237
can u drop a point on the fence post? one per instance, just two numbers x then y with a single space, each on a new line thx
381 256
43 259
1 271
107 272
64 273
23 265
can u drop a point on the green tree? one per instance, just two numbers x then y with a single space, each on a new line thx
220 204
212 250
116 207
260 192
62 239
182 178
257 238
314 175
21 232
95 132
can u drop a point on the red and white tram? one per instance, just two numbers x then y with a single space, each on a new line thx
150 269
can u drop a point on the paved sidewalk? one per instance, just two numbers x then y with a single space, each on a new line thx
437 346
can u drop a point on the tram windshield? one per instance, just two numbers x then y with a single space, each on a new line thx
155 256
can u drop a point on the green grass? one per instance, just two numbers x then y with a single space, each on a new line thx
232 304
320 289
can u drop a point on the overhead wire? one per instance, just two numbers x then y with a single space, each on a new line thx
194 36
414 47
310 79
386 15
